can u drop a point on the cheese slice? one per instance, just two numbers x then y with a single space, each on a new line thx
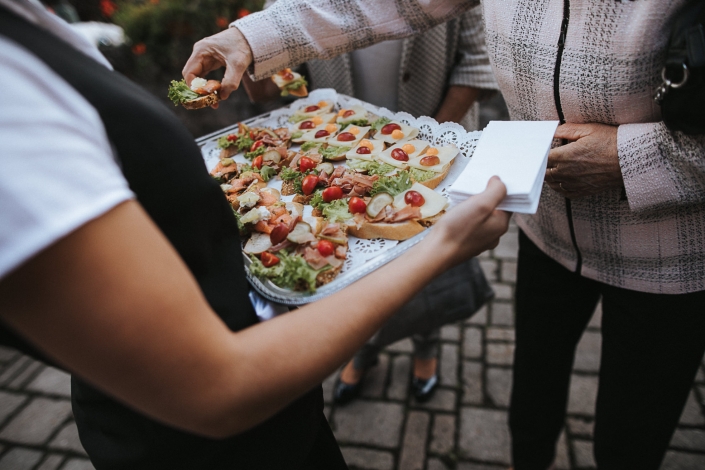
445 155
310 136
362 133
360 113
375 151
386 156
408 131
326 109
325 118
281 81
434 204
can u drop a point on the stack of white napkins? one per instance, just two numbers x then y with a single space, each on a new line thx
517 152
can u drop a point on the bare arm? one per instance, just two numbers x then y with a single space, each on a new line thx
456 103
124 313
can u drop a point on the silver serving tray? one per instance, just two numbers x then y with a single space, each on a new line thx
364 256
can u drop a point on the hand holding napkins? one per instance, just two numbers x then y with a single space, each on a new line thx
517 152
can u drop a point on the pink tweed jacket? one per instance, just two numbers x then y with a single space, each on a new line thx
580 60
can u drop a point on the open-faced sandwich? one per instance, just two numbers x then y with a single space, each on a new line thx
201 94
290 83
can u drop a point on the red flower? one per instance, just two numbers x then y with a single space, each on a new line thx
139 48
243 12
222 22
154 2
108 8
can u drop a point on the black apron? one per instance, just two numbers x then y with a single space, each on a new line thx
164 168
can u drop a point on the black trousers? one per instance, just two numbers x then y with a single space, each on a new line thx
325 453
652 345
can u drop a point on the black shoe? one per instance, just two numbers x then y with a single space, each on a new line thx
345 393
423 389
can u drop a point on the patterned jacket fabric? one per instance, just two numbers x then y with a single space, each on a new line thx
451 53
652 240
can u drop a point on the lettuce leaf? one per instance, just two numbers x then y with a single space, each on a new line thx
421 175
336 211
293 85
357 122
179 92
332 151
371 167
292 272
380 123
259 151
297 134
306 146
395 184
294 118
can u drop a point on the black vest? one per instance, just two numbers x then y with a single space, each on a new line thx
164 168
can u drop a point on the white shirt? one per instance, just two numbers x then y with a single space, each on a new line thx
57 169
375 71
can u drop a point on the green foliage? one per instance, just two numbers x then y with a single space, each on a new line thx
357 122
421 175
395 184
293 85
292 272
332 151
179 92
371 167
337 211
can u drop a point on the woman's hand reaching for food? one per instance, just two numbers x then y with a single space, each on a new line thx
227 49
588 164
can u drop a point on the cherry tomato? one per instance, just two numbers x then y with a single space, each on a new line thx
357 205
311 108
308 185
346 137
363 151
288 76
232 137
389 128
306 164
414 199
307 125
399 154
348 113
268 259
322 133
256 145
252 135
279 234
326 247
332 193
257 162
430 160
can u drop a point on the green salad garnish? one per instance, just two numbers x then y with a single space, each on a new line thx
179 92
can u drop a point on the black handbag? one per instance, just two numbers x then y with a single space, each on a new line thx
682 93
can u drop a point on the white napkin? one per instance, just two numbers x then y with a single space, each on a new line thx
517 152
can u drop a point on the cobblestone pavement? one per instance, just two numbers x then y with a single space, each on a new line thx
463 427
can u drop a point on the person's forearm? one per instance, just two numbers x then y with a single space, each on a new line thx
456 104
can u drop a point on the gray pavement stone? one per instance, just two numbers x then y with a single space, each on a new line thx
443 434
472 383
399 384
373 423
562 458
328 386
581 427
51 381
37 421
596 320
489 267
508 247
701 390
327 409
472 343
51 462
78 464
367 459
373 386
67 439
502 314
500 334
692 414
442 400
413 451
9 402
587 357
20 459
583 393
403 346
689 439
21 379
436 464
484 435
499 386
682 461
478 318
582 452
7 354
448 368
14 369
478 466
450 333
700 376
487 254
502 291
509 271
500 353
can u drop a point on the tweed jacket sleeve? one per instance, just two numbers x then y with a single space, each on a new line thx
291 32
473 65
661 169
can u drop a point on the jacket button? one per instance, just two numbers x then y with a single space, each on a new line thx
406 77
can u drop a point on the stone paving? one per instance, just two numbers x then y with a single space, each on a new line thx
464 427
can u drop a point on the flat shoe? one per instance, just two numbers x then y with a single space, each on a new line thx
345 393
423 389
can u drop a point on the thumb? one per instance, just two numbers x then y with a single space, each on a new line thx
494 193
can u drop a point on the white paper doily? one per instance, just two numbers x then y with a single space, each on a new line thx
364 256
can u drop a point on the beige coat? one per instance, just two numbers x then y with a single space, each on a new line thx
652 237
